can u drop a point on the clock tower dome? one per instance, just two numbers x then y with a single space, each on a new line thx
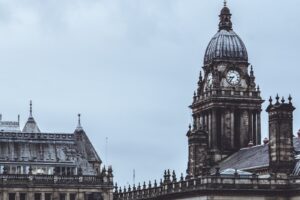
227 103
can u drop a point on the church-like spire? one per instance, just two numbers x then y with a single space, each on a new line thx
225 18
79 127
31 126
30 109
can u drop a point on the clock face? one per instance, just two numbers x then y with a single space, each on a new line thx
209 80
233 77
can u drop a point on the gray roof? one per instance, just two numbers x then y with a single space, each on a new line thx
51 149
253 158
9 126
31 126
33 147
247 158
225 46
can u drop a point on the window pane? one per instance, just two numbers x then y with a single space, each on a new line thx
12 196
37 196
72 196
22 196
48 196
62 197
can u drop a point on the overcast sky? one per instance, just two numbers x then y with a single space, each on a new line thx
131 66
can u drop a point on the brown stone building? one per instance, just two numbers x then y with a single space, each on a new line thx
35 165
226 160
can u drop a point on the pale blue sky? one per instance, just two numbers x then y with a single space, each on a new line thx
131 66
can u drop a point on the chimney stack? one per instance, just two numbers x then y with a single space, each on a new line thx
281 137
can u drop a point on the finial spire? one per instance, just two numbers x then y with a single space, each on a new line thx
79 127
225 18
30 126
79 121
290 99
30 109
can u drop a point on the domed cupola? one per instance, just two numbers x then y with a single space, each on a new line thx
226 45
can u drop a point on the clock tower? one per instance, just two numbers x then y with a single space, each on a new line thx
227 103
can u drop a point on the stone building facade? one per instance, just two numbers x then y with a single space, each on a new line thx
226 160
35 165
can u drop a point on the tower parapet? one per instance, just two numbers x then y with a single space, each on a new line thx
198 158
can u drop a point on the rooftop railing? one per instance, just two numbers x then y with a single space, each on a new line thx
27 179
215 92
210 183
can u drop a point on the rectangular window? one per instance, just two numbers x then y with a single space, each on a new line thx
57 170
37 196
68 171
13 169
62 197
22 196
63 171
72 196
90 197
19 170
48 196
12 196
73 171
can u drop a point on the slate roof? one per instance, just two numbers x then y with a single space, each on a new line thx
247 158
9 126
51 149
31 126
33 147
254 157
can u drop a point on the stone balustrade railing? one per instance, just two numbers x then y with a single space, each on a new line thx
208 183
255 93
27 179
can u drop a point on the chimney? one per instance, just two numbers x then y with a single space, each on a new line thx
281 147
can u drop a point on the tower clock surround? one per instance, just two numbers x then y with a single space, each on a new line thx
226 108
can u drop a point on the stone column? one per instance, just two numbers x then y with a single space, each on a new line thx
43 196
209 119
17 196
213 128
223 126
4 195
67 196
208 129
108 195
201 121
250 133
30 195
254 129
244 139
258 132
232 127
80 196
55 196
198 121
